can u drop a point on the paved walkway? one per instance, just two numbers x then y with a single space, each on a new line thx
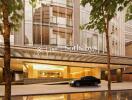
34 89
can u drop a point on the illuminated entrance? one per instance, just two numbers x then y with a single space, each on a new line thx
34 62
57 71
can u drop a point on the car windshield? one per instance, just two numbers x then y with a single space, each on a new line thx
87 78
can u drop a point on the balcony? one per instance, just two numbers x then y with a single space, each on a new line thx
61 22
62 30
60 9
62 4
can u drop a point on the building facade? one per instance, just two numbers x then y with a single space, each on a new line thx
127 74
50 44
128 31
92 38
50 23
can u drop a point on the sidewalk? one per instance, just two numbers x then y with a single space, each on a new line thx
35 89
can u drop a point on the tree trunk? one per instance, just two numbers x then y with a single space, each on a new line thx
7 69
108 58
6 36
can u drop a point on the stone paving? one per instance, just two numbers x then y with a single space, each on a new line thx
34 89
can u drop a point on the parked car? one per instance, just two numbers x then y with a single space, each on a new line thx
85 81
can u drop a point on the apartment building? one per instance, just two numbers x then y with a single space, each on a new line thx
50 23
93 39
128 31
50 44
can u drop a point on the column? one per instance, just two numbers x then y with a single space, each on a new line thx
96 72
76 22
30 71
119 75
66 72
1 75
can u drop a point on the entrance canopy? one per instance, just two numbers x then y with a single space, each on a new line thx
61 54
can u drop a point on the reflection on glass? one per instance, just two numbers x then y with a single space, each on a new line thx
56 71
28 22
116 95
49 23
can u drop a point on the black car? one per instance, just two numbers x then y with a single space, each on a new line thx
85 81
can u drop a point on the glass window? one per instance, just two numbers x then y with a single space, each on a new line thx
68 39
69 3
28 23
53 38
101 42
37 24
61 21
95 41
89 42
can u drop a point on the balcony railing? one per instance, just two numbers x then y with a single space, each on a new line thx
66 4
67 22
62 3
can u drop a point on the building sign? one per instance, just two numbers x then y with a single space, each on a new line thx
73 49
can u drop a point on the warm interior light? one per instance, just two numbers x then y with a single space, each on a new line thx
47 67
76 72
87 70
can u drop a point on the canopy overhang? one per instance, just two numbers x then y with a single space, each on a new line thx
64 55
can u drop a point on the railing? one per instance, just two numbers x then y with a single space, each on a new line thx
64 4
68 22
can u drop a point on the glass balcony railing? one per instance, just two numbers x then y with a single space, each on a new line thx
69 22
61 21
53 41
63 3
69 4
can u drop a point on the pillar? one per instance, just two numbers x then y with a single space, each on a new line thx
76 22
66 72
35 73
119 75
96 72
1 75
30 71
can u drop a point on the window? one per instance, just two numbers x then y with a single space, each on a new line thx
69 2
95 41
53 38
101 42
89 42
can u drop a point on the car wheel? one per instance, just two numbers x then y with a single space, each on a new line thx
77 84
71 85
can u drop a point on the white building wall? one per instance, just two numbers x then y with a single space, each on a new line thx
128 31
117 39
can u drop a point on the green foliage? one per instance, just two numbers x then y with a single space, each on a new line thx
103 10
100 11
33 3
129 13
15 10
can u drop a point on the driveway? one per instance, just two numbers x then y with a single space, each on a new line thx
34 89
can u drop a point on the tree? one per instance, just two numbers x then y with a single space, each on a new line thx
101 14
129 13
11 13
10 16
